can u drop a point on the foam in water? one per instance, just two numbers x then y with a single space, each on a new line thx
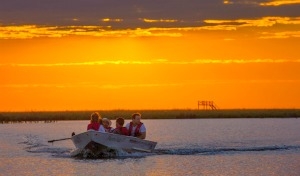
214 151
34 145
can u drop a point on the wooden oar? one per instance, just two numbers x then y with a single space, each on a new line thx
59 139
73 133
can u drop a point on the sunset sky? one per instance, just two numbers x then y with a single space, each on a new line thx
149 54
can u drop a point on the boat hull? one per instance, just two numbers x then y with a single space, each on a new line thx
98 142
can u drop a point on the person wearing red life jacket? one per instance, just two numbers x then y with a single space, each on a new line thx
96 123
119 127
136 128
107 125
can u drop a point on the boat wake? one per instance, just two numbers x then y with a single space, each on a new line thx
193 151
33 144
216 150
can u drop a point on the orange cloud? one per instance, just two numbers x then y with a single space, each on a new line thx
280 35
280 2
34 31
159 20
239 2
156 61
111 20
262 22
256 2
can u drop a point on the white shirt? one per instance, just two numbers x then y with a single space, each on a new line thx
142 129
101 129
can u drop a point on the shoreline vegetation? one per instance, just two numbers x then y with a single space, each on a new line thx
52 116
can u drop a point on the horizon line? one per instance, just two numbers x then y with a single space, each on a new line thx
171 109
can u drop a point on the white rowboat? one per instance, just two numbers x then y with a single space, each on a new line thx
97 143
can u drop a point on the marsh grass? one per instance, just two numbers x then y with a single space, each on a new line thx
13 117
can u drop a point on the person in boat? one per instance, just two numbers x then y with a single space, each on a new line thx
107 125
119 127
96 122
136 128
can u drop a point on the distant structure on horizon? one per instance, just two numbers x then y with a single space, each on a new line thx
207 105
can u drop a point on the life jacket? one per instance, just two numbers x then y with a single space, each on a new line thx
108 130
93 126
121 130
137 129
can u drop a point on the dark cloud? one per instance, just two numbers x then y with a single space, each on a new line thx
90 12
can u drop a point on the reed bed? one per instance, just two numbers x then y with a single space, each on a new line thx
28 117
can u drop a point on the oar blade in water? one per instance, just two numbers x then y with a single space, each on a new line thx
59 139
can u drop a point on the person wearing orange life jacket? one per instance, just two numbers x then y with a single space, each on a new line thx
119 127
136 128
96 123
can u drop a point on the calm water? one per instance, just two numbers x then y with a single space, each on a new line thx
185 147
